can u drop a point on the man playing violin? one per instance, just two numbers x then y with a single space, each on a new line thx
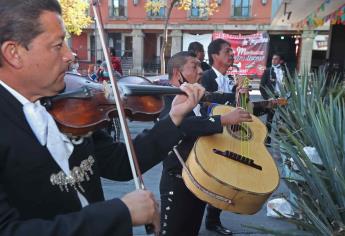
181 211
50 183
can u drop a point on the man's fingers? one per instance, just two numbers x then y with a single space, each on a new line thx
193 91
142 207
244 116
188 89
199 90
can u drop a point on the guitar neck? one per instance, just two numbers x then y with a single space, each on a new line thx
270 103
243 101
148 90
159 90
261 104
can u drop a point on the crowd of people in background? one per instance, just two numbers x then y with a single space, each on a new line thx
99 72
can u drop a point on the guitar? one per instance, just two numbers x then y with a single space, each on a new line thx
233 170
262 107
271 103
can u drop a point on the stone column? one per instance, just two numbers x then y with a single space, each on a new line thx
176 41
138 51
98 47
306 50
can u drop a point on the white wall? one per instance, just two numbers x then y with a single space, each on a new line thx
204 39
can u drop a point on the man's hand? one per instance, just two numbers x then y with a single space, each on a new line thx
235 117
143 208
183 104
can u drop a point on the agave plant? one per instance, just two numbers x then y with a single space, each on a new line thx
314 116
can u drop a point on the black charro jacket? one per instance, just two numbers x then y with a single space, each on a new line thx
30 205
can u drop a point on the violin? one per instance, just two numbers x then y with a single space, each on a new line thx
85 106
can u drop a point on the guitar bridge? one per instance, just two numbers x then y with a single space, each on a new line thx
239 158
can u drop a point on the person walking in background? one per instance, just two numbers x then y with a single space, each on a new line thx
272 78
93 69
198 49
285 68
115 61
103 72
271 82
74 66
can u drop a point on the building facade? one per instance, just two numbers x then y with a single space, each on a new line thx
137 35
321 24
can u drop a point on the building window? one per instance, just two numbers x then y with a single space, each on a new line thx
241 8
196 10
115 41
161 12
117 8
92 47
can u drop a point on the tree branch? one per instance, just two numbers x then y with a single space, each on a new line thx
165 35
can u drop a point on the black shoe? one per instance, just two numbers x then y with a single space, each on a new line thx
218 228
268 142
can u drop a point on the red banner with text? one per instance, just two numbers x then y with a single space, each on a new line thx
250 53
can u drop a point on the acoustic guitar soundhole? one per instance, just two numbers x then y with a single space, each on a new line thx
241 132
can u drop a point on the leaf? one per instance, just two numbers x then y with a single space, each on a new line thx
315 116
74 15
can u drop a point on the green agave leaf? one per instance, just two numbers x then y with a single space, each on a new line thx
315 116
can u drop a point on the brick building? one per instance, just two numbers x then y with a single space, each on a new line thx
137 35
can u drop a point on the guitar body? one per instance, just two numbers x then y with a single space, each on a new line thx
231 172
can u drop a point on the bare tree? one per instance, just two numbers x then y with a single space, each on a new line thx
206 7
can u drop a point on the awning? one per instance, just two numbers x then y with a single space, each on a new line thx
294 12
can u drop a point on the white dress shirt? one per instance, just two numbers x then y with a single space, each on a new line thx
279 75
224 83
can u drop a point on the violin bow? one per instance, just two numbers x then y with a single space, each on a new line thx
137 177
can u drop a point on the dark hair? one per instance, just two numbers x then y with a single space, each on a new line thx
195 47
177 61
278 55
19 19
215 47
112 52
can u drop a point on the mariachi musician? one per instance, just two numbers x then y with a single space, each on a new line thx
50 183
271 82
216 79
181 211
